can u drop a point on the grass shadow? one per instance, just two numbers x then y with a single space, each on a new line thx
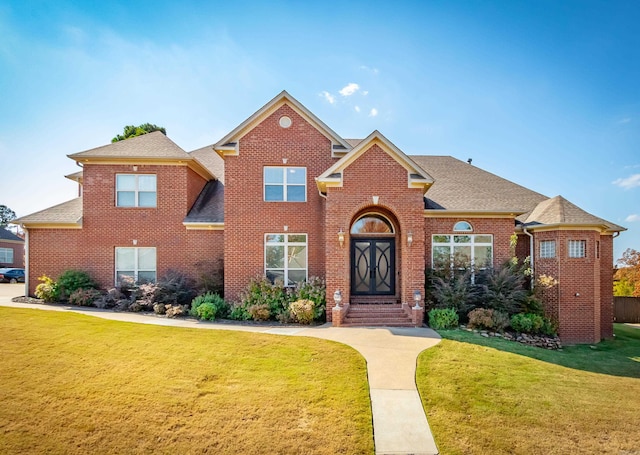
617 357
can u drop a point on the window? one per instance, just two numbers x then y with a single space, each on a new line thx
137 265
372 223
285 258
135 190
461 251
577 248
462 226
6 255
548 249
285 184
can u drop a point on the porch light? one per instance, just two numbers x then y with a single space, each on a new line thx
337 297
409 238
417 297
341 238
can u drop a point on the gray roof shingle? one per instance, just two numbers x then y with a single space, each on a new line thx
8 235
558 211
69 212
150 145
211 160
209 206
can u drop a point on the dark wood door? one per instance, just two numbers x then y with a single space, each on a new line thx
373 266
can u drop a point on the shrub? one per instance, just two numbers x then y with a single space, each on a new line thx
261 292
145 297
239 313
527 323
115 297
216 307
259 312
72 280
303 310
483 318
48 290
503 289
443 318
313 289
457 293
84 297
175 287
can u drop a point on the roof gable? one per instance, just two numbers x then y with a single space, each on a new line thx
68 214
416 176
228 145
6 235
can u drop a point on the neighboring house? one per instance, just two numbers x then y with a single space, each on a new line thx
285 196
11 249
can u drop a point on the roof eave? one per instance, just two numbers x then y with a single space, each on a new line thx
444 213
203 226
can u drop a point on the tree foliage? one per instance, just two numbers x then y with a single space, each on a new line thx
6 215
133 131
627 276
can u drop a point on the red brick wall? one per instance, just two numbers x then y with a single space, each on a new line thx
549 267
18 254
248 217
375 173
106 227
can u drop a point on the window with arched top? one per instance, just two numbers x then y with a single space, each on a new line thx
462 226
372 223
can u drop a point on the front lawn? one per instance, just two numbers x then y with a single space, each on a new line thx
77 384
487 395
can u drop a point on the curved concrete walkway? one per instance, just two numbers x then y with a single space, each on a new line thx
399 421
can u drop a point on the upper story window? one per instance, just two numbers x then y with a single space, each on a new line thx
462 226
136 190
548 249
6 255
285 184
577 248
285 258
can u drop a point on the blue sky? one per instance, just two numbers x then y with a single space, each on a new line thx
543 93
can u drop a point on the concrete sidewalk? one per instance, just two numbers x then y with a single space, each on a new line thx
399 421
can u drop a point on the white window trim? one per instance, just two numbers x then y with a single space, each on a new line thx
136 267
286 245
285 185
573 244
136 192
451 244
456 226
544 252
4 255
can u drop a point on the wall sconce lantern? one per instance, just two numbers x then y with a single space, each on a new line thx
337 297
417 297
341 237
409 238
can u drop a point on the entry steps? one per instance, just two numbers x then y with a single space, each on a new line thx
376 315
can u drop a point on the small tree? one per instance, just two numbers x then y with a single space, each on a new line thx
133 131
627 277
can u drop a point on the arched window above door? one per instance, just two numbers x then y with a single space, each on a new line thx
372 223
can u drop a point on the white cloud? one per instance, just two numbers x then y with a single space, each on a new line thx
357 108
629 182
366 68
349 89
365 92
328 96
373 112
632 218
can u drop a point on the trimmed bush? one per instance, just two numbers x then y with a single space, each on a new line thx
84 297
443 318
303 310
527 323
259 312
209 306
72 280
487 319
48 290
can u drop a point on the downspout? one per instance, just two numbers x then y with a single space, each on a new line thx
531 255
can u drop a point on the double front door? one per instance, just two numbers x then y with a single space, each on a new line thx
373 266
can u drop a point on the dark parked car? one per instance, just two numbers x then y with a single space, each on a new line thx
11 275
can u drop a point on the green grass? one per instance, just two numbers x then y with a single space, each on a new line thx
487 395
77 384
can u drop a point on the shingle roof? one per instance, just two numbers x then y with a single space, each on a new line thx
460 186
559 211
209 206
151 145
69 212
8 235
211 160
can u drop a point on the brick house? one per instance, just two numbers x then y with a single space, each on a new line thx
283 195
11 249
